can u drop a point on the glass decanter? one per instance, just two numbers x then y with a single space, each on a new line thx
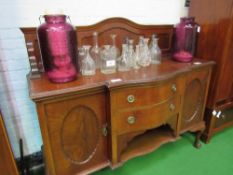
155 50
81 55
123 64
136 58
126 40
88 64
131 55
114 50
95 50
144 52
108 61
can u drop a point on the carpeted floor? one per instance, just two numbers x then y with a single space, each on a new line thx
181 158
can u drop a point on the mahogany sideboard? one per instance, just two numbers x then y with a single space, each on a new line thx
104 120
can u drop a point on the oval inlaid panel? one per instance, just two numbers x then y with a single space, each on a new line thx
192 99
80 134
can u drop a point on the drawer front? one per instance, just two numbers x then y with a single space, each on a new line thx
142 96
145 117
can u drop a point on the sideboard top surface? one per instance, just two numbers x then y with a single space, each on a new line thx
42 88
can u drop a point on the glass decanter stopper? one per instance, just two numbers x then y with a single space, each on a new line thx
108 61
124 64
144 52
88 64
155 50
95 50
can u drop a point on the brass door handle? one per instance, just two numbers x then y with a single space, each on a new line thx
130 98
174 89
172 107
131 120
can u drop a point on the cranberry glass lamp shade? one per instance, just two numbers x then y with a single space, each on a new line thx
185 39
57 41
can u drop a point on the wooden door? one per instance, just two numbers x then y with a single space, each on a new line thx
195 94
7 162
72 133
225 85
215 43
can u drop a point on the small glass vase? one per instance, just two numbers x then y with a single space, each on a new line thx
185 39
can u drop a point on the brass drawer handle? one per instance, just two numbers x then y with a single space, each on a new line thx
131 120
131 98
173 88
172 107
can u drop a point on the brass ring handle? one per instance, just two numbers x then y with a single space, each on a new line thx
172 107
130 98
173 88
131 120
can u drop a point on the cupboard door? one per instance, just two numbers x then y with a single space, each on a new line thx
74 127
225 83
215 42
194 98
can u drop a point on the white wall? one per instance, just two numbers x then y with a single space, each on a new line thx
18 110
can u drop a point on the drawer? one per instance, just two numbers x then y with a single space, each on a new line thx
146 95
145 117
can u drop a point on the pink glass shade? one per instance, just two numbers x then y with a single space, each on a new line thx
185 39
57 40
